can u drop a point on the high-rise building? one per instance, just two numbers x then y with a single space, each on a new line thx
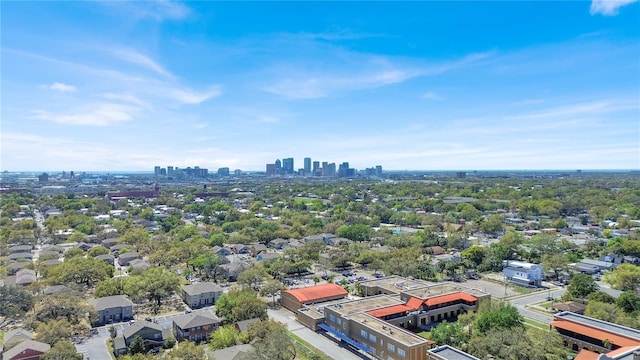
271 170
287 166
278 166
156 171
378 170
331 169
170 171
307 166
316 167
223 171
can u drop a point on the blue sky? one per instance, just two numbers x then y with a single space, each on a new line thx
455 85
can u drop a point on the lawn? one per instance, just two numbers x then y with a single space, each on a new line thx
306 351
424 334
535 324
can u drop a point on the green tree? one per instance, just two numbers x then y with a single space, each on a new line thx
602 296
475 254
187 350
602 311
271 341
97 251
137 345
14 301
272 288
224 337
493 224
80 271
581 285
554 262
625 277
449 333
53 330
355 232
73 252
240 304
159 283
62 350
628 301
501 316
252 277
249 308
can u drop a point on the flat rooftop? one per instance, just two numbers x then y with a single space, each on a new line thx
390 331
450 353
442 289
600 325
369 303
395 284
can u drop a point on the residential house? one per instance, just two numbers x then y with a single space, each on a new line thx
56 289
15 266
151 334
108 243
21 255
257 249
319 237
232 353
195 327
23 277
241 249
265 256
278 244
201 294
233 270
83 246
243 326
139 264
20 249
572 306
26 350
222 251
108 258
17 335
112 309
126 258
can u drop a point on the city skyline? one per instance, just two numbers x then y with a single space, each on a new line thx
125 86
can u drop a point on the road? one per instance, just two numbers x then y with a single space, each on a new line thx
525 303
328 346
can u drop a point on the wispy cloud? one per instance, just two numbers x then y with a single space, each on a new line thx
100 114
432 96
609 7
132 99
159 10
192 97
352 71
135 57
586 108
58 86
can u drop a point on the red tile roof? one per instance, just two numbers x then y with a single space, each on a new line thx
317 293
450 298
389 310
594 333
585 354
414 303
621 351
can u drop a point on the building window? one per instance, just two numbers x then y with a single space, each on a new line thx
339 321
401 352
363 334
372 338
332 318
391 347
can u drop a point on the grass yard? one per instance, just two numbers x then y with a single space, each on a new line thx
306 351
535 324
424 334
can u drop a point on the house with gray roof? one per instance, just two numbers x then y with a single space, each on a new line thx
15 266
112 309
17 335
201 294
151 334
20 249
56 289
21 255
233 352
23 277
125 259
196 326
108 258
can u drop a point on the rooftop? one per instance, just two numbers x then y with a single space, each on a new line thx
442 289
382 327
187 321
317 293
599 324
366 304
108 302
395 284
202 287
447 352
593 333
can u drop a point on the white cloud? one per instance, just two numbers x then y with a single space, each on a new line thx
129 99
158 10
142 60
609 7
432 96
100 114
192 97
58 86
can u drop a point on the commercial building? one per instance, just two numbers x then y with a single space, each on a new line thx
294 299
582 332
523 273
381 323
